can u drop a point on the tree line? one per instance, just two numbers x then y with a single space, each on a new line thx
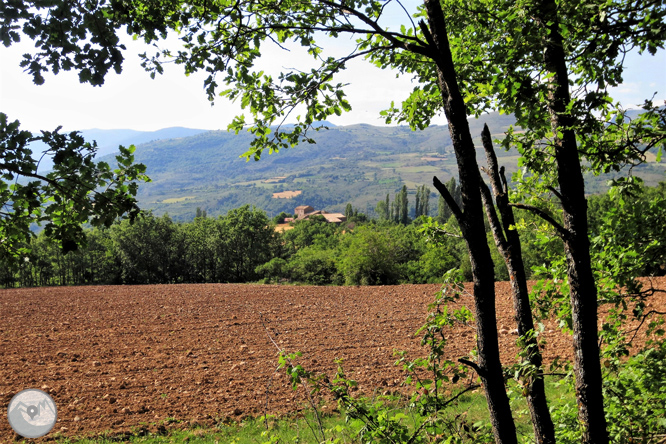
243 246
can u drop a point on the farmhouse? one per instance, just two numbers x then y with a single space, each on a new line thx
306 211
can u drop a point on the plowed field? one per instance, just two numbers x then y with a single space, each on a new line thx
117 358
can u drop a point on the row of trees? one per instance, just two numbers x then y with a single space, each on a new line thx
243 246
398 210
154 250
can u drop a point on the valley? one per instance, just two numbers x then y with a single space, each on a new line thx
356 164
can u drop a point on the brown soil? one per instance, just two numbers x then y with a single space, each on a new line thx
114 358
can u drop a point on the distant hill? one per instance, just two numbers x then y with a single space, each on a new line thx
109 140
357 164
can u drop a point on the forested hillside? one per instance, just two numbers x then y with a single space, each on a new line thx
356 164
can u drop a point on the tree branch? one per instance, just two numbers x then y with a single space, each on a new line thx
555 192
450 201
493 220
420 48
472 365
562 232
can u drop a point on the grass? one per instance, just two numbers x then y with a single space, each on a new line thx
302 427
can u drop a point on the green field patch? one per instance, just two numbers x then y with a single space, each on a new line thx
395 181
178 199
419 169
249 182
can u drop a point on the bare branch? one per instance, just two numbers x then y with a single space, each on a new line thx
472 365
450 201
493 220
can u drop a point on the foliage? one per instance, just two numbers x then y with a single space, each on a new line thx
383 209
520 57
148 251
77 191
629 235
401 212
422 205
274 270
317 252
377 256
312 231
636 397
313 266
246 242
279 219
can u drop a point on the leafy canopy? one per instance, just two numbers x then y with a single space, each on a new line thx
77 190
221 38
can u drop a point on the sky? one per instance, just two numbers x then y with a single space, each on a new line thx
132 100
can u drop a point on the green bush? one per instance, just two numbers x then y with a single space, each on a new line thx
635 395
373 256
313 266
273 270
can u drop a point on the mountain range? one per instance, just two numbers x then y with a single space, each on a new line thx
357 164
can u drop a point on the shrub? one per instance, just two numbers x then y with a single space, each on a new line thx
313 266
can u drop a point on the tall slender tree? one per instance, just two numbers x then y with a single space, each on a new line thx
422 205
403 210
509 245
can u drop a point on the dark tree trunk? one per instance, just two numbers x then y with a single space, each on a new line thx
508 243
583 291
470 219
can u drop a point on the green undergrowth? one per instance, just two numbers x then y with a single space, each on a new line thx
469 411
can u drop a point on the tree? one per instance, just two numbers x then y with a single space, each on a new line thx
402 206
509 245
199 239
146 250
279 219
314 230
201 213
417 203
247 241
422 205
376 255
349 211
387 211
526 56
75 192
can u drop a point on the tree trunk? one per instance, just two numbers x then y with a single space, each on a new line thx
583 291
508 243
470 219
